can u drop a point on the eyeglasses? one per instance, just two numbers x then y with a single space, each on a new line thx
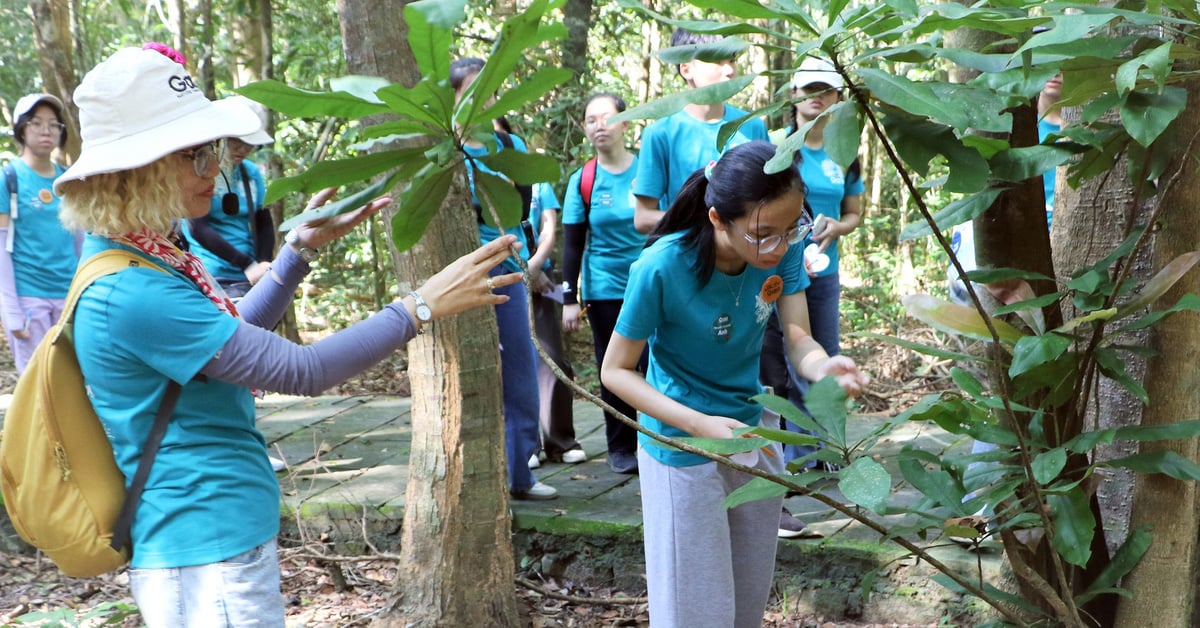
53 128
766 244
203 156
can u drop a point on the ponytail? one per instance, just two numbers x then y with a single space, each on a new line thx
689 214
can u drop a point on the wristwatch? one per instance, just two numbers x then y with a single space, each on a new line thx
292 239
424 314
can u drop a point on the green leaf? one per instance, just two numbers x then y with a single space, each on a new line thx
306 104
993 275
1029 304
425 102
1097 315
936 352
754 490
866 483
1164 461
1187 303
787 410
843 133
1048 464
826 402
1031 351
711 52
1019 164
1074 526
918 140
787 437
957 319
957 105
359 86
350 203
1112 366
523 168
515 34
530 89
497 194
967 382
339 172
955 213
935 484
1161 283
667 105
1127 557
1146 116
419 202
431 25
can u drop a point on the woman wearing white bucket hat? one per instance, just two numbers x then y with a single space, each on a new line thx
203 534
236 240
37 255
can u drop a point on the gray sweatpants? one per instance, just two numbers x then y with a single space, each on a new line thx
706 565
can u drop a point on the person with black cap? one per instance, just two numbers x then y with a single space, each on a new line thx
38 256
236 240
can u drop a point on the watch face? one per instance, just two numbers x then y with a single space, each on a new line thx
424 313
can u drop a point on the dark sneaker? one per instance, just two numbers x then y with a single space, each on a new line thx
623 462
793 528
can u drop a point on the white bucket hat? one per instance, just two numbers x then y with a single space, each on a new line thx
29 102
259 137
817 70
138 106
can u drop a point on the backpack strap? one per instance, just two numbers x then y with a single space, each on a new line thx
587 181
100 265
10 181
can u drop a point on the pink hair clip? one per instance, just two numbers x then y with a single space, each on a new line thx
166 51
708 170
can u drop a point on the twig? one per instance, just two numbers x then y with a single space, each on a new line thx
579 599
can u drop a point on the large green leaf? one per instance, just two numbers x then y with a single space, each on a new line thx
1048 464
523 168
530 89
725 446
1156 60
787 437
957 319
711 52
1160 283
936 352
1162 461
755 490
497 196
707 26
1187 303
993 275
1074 525
866 483
419 202
826 402
667 105
1112 365
431 25
1146 116
339 172
843 133
959 106
787 410
515 34
919 140
350 203
1032 351
427 102
955 213
1018 164
745 9
933 482
305 104
1127 557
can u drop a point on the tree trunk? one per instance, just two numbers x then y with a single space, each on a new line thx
457 558
177 24
52 37
1164 582
204 65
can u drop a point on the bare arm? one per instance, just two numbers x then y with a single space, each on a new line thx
806 354
834 229
646 214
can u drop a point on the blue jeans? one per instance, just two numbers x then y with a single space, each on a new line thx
519 377
240 591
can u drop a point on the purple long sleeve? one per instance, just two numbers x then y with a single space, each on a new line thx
13 316
256 358
266 302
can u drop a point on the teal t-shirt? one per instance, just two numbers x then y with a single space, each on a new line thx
211 493
488 233
237 229
1048 177
612 242
543 200
827 185
705 340
678 145
43 254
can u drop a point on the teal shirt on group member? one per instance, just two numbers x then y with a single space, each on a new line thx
211 494
543 200
827 185
43 255
1045 129
488 233
237 229
705 340
678 145
612 242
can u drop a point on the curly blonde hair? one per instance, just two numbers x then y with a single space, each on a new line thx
114 203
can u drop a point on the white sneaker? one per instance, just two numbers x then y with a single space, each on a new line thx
534 461
537 492
574 456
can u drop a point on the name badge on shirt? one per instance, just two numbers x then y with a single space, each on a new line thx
722 328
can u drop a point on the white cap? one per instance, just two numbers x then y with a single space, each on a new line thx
31 101
817 70
259 137
138 106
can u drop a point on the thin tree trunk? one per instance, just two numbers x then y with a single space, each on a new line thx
52 38
457 559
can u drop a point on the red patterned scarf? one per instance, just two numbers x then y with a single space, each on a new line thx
158 246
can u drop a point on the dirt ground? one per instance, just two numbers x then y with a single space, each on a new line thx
33 592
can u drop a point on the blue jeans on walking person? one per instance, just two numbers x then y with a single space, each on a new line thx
519 376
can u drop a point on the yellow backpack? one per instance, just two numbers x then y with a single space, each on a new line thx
62 488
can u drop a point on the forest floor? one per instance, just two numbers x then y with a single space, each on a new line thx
33 592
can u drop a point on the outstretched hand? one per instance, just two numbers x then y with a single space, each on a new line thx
846 372
466 283
318 233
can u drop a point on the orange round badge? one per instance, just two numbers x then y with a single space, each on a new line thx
772 288
45 196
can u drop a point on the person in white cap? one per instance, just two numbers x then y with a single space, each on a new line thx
38 256
236 240
203 536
